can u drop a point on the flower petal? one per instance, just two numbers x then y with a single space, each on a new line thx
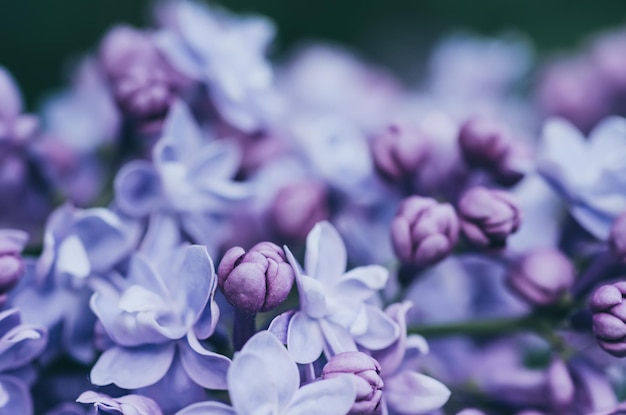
413 393
207 408
280 325
304 338
132 368
72 258
360 283
326 256
193 281
381 332
14 396
250 387
137 189
336 396
206 368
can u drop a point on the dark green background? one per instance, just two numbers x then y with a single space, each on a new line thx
39 37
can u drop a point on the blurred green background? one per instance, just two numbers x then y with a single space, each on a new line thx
39 37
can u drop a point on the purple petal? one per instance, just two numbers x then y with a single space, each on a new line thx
14 396
326 256
336 396
206 368
391 357
132 368
20 345
162 236
193 281
8 320
137 189
414 393
181 135
142 273
382 331
12 241
218 159
280 325
337 338
360 283
304 339
207 408
250 388
72 258
11 101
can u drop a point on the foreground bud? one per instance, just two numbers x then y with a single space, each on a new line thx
399 151
542 277
297 208
609 318
368 382
617 237
487 144
488 216
258 280
424 231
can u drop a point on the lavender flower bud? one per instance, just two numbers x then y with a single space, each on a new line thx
561 388
609 318
488 216
399 152
140 80
297 207
542 277
424 231
471 411
487 144
368 382
258 280
11 263
617 237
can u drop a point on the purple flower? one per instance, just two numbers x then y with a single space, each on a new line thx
399 151
609 318
334 315
366 371
20 344
542 276
227 54
263 379
12 242
588 173
424 231
158 316
407 391
488 216
257 280
124 405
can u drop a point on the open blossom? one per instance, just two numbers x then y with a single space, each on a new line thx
156 318
334 316
264 379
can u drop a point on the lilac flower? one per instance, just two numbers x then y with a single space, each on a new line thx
156 317
15 127
189 179
609 321
12 242
399 151
407 391
55 291
20 344
334 315
226 53
124 405
588 174
263 379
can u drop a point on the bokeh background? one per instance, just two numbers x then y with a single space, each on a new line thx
39 38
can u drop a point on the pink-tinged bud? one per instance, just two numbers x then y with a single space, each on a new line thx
366 371
609 318
617 237
489 145
257 280
424 231
542 277
11 264
399 151
297 207
488 216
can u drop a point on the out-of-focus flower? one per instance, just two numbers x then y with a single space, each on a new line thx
20 344
471 411
124 405
489 145
561 388
406 391
334 315
297 207
424 231
263 379
617 237
257 280
142 84
399 151
12 242
227 54
609 318
488 216
588 173
155 318
542 276
366 371
15 126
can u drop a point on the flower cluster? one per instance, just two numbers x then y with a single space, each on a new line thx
192 229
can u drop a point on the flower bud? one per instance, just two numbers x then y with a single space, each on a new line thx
488 216
368 382
542 277
609 318
297 207
11 264
257 280
424 231
617 237
561 388
471 411
487 144
399 151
